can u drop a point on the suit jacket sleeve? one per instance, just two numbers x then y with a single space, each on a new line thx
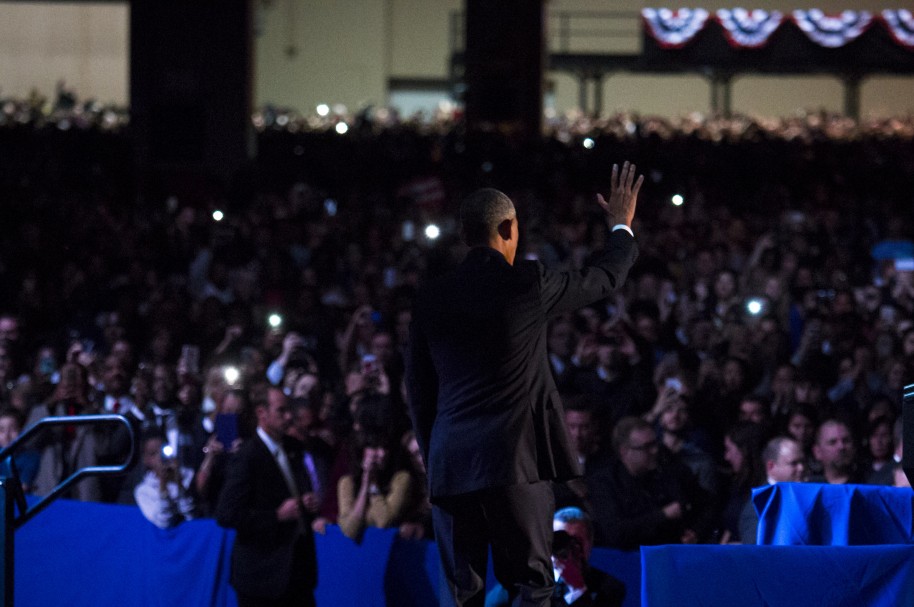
422 382
568 291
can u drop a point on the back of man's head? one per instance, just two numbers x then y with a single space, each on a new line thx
480 214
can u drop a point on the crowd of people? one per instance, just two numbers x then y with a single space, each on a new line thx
765 333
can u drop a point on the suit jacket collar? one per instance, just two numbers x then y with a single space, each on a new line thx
485 255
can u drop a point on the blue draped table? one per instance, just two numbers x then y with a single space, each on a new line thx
827 545
808 514
765 576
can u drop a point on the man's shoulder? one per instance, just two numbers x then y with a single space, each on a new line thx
529 267
252 448
606 586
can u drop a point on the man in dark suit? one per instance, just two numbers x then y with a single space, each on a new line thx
483 402
267 500
643 501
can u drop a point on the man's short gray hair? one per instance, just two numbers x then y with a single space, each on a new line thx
480 214
572 514
773 449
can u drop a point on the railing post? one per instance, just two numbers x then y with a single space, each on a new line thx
564 32
852 96
907 414
8 492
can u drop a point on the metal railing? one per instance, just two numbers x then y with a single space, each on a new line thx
12 498
574 31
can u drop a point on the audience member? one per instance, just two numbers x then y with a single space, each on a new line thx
577 582
879 446
742 450
64 450
637 502
784 463
317 454
378 492
836 453
267 500
583 432
165 493
599 586
26 460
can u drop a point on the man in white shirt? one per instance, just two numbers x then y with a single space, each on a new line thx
164 494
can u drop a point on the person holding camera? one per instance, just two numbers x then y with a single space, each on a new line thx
577 582
571 570
164 494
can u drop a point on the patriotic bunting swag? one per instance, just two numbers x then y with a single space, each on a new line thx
674 29
832 31
749 29
900 24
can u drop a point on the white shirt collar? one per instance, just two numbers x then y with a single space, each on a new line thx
269 442
127 406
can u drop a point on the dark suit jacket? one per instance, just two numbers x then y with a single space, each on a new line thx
263 560
627 511
482 397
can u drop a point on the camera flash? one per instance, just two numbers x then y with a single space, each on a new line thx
231 375
218 215
275 320
754 306
432 232
677 200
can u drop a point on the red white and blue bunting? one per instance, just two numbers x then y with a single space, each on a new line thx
900 24
749 29
832 31
674 28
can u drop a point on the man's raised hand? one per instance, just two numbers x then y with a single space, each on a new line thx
623 196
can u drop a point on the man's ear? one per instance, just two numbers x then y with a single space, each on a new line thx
504 229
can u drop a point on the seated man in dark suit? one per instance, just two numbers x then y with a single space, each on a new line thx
638 502
267 500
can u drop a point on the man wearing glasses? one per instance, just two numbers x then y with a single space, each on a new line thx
638 502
